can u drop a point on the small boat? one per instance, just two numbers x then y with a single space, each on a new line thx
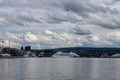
41 54
5 56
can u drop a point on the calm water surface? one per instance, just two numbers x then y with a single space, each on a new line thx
60 69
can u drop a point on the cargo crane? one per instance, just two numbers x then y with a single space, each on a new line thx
3 45
3 42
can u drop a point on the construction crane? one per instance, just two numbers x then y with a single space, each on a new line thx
2 46
2 43
5 41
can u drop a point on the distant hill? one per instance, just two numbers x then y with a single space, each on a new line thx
91 51
84 51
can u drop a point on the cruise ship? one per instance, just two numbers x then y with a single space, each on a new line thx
65 55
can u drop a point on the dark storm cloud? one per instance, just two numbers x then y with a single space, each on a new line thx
27 18
59 17
18 19
81 7
78 7
85 9
80 29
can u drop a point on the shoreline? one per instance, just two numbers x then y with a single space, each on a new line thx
56 57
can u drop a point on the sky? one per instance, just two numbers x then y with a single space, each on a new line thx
45 24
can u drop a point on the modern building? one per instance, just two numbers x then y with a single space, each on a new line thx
27 48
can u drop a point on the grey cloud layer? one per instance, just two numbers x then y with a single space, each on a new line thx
85 16
80 29
65 11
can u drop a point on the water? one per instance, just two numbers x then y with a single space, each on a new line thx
60 69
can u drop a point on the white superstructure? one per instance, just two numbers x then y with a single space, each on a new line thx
65 55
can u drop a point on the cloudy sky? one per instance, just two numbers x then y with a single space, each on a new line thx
60 23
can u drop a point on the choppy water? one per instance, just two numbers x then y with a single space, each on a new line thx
60 69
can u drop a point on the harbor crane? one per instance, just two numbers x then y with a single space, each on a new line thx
3 42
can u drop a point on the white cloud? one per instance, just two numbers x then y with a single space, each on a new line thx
45 39
50 39
29 37
114 38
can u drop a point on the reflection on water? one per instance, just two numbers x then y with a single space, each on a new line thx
59 69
